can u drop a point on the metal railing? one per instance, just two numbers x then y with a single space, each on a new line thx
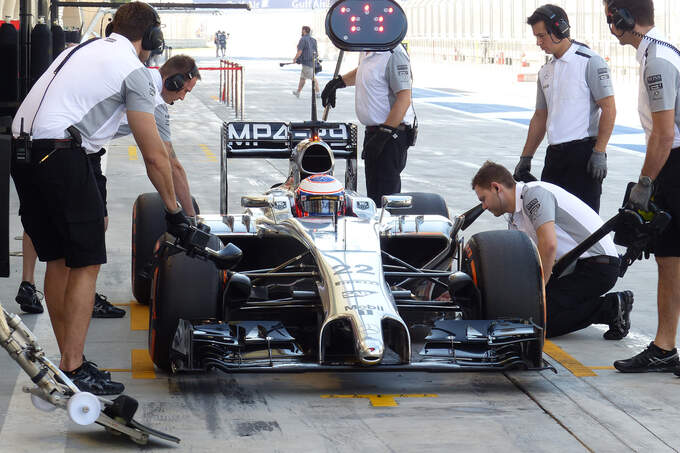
232 90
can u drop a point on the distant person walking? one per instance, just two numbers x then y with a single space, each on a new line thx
223 43
306 54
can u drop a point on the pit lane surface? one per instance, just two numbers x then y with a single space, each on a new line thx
587 406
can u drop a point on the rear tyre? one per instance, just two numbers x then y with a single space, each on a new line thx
183 287
506 268
423 203
148 223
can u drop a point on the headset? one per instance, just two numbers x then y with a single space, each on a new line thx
176 81
556 25
153 36
624 20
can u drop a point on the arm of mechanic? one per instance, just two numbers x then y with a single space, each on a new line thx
606 125
179 179
399 109
547 248
660 143
350 78
143 126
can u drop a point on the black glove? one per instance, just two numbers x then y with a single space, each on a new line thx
328 93
374 145
178 224
640 194
522 168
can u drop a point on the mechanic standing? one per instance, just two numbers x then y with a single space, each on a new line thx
574 105
557 221
306 55
71 111
632 22
383 104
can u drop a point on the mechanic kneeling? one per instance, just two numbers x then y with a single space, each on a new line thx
557 221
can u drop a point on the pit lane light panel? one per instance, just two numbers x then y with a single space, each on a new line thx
371 25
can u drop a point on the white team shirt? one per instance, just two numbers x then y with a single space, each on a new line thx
537 203
569 87
380 76
90 92
659 82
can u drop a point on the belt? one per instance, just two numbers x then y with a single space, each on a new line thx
602 259
572 143
52 144
371 129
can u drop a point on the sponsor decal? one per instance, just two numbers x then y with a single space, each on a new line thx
357 293
603 71
654 78
356 282
532 208
402 67
364 307
604 77
655 86
362 205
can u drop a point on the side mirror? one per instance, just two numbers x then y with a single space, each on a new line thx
226 258
255 201
397 201
237 292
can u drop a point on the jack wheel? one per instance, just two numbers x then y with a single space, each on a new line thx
83 408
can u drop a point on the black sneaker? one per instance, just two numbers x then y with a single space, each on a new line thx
651 359
90 379
104 309
95 369
28 299
620 324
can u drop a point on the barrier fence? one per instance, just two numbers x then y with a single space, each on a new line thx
231 86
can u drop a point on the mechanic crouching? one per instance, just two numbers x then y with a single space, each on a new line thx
558 221
70 113
383 105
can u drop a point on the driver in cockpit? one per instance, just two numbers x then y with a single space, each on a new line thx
320 196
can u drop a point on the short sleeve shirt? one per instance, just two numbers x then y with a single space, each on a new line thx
161 113
307 45
90 92
538 203
569 88
659 82
380 76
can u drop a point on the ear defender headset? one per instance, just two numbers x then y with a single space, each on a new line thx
557 26
153 36
620 18
176 81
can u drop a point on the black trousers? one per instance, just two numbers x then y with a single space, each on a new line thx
383 172
565 166
574 301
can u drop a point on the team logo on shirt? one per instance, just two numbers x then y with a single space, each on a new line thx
532 208
603 73
152 90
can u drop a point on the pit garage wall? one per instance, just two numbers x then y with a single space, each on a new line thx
495 31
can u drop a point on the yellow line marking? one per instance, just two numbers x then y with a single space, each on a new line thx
567 361
214 98
602 368
132 152
139 317
208 153
380 400
117 370
142 366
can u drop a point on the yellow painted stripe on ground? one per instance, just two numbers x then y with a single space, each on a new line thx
381 400
139 317
602 368
142 366
214 98
117 370
132 152
567 361
208 153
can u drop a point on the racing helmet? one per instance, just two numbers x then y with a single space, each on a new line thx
319 195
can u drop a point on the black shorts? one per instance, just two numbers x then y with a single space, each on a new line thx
61 207
96 163
667 197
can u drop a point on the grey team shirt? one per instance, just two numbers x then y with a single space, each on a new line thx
90 92
581 80
161 113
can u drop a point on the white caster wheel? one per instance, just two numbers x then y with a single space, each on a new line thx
83 408
41 404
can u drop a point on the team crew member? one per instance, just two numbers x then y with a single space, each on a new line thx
575 105
306 55
72 112
383 105
632 22
173 81
557 221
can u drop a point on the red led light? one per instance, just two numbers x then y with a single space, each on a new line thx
353 28
367 8
381 19
381 29
353 18
390 10
343 10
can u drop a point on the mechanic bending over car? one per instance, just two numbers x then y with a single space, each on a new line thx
383 104
574 105
61 121
558 221
632 22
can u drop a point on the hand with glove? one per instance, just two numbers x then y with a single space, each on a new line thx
376 143
178 224
523 168
597 166
640 194
328 93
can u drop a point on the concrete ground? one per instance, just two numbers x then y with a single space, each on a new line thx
467 115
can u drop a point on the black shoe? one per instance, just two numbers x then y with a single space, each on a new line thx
620 324
104 309
95 369
651 359
90 379
28 299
